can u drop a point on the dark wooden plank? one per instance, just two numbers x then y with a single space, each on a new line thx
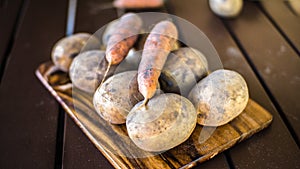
28 112
90 16
276 62
279 149
9 12
114 142
79 152
219 162
285 19
8 16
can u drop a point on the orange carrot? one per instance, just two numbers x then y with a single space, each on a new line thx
123 38
156 49
138 3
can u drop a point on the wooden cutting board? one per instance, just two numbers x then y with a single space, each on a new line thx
114 143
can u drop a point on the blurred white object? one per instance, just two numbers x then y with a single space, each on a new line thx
226 8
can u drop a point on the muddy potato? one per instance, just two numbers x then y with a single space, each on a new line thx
183 69
116 96
87 70
226 8
66 49
167 121
219 97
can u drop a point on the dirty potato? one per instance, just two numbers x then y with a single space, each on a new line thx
183 69
219 97
66 49
87 70
166 121
116 96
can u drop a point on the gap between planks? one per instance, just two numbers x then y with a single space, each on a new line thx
61 128
16 27
277 26
261 78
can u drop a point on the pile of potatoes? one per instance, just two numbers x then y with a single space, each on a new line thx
187 93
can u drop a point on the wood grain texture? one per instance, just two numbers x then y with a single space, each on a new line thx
28 113
114 143
274 147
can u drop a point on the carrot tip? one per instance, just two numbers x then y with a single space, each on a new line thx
105 74
144 104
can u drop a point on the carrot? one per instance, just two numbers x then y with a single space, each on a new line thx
122 40
138 3
156 49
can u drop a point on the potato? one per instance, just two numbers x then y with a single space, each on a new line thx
219 97
66 49
167 121
87 70
183 69
116 96
226 8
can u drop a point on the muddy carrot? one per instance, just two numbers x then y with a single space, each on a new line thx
122 39
156 49
138 3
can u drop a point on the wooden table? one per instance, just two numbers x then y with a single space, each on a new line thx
263 44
